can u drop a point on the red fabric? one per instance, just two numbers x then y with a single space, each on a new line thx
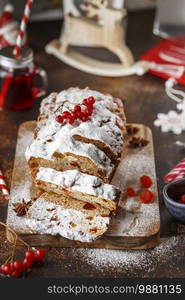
178 172
174 49
3 42
5 18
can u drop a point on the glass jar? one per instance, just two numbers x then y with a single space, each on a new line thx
169 18
17 79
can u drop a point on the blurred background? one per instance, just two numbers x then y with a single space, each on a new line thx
51 9
169 17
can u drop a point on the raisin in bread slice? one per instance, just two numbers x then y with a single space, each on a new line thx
79 186
50 214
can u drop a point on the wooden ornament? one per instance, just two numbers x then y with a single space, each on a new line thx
99 26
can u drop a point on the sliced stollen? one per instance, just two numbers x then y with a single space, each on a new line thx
106 138
93 147
71 154
70 220
79 186
67 99
69 202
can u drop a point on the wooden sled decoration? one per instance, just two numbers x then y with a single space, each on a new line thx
101 26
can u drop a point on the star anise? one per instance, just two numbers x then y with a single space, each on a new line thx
131 130
21 208
138 142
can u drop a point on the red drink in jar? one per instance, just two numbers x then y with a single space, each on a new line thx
17 79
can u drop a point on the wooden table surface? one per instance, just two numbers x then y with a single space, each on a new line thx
144 98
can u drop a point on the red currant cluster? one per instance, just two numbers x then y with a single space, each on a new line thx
81 113
146 196
17 268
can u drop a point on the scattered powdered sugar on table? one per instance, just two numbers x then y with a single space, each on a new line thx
22 183
145 260
143 219
134 170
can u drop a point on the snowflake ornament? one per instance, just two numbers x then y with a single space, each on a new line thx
181 106
172 121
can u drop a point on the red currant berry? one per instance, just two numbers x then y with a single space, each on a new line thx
30 254
2 268
59 119
18 265
86 113
12 265
16 274
146 181
40 255
27 263
182 199
7 269
78 115
77 109
70 120
90 104
85 102
90 110
84 118
75 115
66 114
91 100
146 196
131 192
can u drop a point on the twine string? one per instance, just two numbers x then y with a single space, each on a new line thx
16 237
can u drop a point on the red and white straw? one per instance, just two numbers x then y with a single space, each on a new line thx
3 186
22 29
178 172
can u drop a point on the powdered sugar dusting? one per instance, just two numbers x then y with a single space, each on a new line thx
23 187
56 220
139 222
142 219
73 180
122 261
103 127
73 224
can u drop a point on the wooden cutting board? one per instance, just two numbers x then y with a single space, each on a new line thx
138 229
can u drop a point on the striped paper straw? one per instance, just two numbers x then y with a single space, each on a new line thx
22 29
178 172
3 186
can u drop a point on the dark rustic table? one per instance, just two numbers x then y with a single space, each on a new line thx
144 98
